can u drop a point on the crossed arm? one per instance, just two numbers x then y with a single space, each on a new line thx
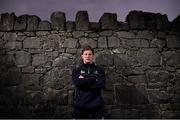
87 82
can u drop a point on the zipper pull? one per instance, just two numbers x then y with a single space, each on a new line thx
88 71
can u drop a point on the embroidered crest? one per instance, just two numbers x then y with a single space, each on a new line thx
96 72
82 72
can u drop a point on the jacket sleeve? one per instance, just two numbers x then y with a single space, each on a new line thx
82 83
100 80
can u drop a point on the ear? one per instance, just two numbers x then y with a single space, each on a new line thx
82 56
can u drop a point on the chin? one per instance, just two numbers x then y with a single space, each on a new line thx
88 61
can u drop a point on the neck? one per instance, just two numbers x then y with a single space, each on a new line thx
86 62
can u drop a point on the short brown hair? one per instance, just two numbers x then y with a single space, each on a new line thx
87 48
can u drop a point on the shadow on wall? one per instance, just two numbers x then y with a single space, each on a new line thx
12 96
21 97
129 94
126 97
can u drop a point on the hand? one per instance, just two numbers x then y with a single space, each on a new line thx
81 77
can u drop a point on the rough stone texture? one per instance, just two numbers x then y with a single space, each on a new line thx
7 21
38 60
31 42
113 42
162 22
158 43
147 20
88 41
102 42
141 59
171 58
94 26
10 37
130 95
44 25
22 58
33 22
135 43
13 45
108 21
82 20
70 43
70 25
136 20
173 41
123 34
21 23
176 23
58 20
149 56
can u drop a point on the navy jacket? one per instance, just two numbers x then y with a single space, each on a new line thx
88 93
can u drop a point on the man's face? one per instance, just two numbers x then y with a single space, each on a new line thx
87 56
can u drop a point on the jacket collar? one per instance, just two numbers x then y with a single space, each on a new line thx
88 65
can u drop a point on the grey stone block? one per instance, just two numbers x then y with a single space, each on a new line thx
159 76
58 20
13 45
33 23
56 78
82 20
70 25
78 34
173 41
176 24
44 26
129 94
88 41
147 20
123 34
139 43
171 58
158 43
94 26
31 42
136 20
145 35
113 42
102 42
38 60
104 59
149 56
23 58
162 22
28 69
106 33
108 21
123 26
7 22
31 80
70 43
21 23
10 37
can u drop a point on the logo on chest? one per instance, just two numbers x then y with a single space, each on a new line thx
96 72
82 72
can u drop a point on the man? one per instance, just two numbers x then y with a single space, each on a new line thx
89 80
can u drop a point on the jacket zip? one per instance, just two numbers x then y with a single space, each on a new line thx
88 70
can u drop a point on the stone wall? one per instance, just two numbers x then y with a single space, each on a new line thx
141 58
